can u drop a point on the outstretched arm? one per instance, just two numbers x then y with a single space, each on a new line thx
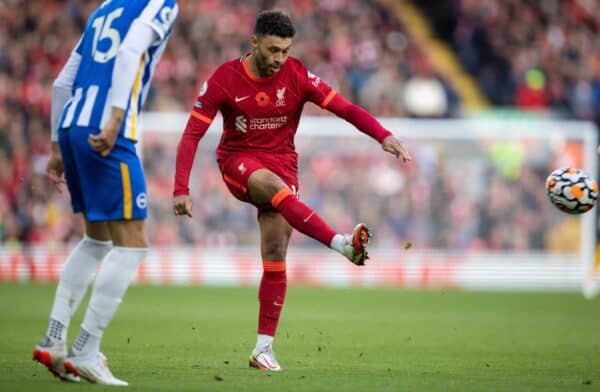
367 124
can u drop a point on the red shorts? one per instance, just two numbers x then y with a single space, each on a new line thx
236 168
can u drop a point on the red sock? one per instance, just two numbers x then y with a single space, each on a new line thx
271 295
302 217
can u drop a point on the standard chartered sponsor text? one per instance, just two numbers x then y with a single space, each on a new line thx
263 123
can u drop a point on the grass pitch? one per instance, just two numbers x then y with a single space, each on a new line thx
192 338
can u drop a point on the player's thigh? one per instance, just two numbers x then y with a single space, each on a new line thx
255 179
128 233
283 173
263 184
113 187
236 169
275 233
285 168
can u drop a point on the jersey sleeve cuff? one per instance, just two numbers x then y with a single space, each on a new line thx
384 135
181 192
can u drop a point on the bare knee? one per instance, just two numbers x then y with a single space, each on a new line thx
97 230
130 234
263 184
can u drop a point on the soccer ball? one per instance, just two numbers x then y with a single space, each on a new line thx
571 190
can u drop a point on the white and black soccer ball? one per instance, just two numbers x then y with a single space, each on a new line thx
571 190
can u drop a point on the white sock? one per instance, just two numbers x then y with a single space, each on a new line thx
337 243
77 274
112 282
56 330
263 342
86 343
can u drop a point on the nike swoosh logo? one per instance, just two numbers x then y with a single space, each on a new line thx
308 217
240 99
277 304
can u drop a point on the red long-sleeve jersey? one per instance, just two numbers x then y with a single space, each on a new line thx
261 115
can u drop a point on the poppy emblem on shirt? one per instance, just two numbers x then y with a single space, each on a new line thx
262 99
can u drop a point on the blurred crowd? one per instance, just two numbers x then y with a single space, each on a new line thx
536 55
461 195
357 46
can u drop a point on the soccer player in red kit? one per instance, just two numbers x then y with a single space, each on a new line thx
261 96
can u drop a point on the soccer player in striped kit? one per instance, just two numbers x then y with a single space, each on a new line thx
96 103
261 96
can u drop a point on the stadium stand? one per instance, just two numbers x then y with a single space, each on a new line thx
356 45
542 55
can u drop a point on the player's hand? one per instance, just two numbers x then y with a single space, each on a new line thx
182 205
104 142
55 169
392 145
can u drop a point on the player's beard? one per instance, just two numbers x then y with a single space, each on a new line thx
262 64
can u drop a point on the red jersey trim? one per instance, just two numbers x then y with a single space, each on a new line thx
234 183
201 117
328 98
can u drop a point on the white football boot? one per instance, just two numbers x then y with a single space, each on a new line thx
52 353
264 360
92 368
355 244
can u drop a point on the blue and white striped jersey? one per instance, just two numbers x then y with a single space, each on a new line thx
106 28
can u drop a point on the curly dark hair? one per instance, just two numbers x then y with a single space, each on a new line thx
274 22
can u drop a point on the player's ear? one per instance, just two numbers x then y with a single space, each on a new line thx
253 43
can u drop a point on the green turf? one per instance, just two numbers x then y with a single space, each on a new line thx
176 338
